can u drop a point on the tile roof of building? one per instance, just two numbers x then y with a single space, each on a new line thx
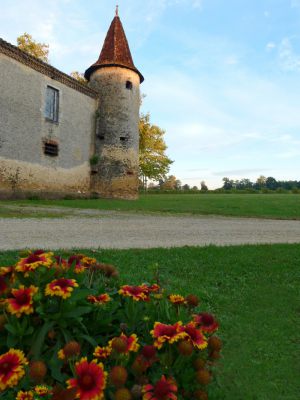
115 51
14 52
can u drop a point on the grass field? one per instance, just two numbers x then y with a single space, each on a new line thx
253 290
281 206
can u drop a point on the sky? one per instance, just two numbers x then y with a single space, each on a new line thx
222 77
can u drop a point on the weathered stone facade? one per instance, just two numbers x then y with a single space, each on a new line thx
98 122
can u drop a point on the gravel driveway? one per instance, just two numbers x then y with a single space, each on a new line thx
123 230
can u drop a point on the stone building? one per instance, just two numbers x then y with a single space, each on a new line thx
59 137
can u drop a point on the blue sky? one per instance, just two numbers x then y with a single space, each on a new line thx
222 77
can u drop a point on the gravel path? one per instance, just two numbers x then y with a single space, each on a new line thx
123 230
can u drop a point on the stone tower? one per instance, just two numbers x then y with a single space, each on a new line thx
117 80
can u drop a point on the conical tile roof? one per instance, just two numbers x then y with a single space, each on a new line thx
115 51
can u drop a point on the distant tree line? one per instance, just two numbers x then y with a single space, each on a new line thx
262 183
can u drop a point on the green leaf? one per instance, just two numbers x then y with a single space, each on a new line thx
40 337
77 312
89 339
11 329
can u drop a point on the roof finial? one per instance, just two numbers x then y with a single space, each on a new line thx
117 10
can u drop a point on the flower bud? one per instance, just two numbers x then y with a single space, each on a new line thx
203 376
200 395
192 300
123 394
72 349
119 345
185 348
199 363
118 376
215 343
37 371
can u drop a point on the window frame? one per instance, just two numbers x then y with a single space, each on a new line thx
52 110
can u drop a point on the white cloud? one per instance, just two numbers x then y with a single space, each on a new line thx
270 46
288 57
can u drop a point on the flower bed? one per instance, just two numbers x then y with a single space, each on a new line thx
68 330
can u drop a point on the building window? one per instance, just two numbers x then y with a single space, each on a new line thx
129 85
123 139
51 149
52 104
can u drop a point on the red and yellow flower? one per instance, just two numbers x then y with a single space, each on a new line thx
195 336
102 352
22 300
124 344
164 389
11 368
5 278
206 322
25 395
137 293
42 390
167 333
100 299
176 299
90 380
61 287
33 261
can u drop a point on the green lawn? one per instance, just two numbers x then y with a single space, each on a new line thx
253 290
283 206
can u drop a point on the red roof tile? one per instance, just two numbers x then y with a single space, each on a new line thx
115 51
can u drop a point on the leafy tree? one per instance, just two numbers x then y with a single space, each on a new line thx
171 183
195 188
39 50
271 183
154 163
204 188
186 187
228 184
79 76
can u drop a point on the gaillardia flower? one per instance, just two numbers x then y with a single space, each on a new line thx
167 333
176 299
11 368
137 293
25 395
102 352
61 287
41 390
33 261
206 322
22 300
124 344
164 389
100 299
195 336
90 380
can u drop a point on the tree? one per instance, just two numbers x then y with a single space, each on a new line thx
204 188
79 76
271 183
154 163
30 46
170 183
186 187
228 184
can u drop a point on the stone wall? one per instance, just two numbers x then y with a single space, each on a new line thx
117 136
24 131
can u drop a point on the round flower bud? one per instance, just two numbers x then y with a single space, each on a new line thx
149 351
215 355
200 395
185 348
119 345
118 376
215 343
123 394
51 334
192 300
72 349
37 371
199 363
203 376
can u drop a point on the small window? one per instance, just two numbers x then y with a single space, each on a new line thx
51 149
52 104
123 138
100 137
129 85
